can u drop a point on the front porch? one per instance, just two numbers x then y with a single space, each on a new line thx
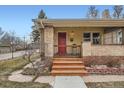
69 42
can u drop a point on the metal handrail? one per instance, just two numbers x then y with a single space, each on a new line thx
72 47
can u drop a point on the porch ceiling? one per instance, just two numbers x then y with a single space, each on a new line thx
83 23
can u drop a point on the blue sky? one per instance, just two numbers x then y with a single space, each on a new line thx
18 18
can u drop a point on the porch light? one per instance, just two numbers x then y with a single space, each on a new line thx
72 36
72 33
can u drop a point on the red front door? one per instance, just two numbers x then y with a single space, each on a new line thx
62 43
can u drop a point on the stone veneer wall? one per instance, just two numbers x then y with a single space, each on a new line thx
107 50
102 50
49 42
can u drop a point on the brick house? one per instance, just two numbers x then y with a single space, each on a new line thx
81 38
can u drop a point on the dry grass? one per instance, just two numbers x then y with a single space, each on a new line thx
11 84
8 66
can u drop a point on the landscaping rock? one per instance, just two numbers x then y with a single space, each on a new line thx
100 66
20 78
16 72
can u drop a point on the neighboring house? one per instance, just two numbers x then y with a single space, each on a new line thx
4 49
81 37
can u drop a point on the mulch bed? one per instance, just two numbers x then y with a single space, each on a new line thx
105 71
117 84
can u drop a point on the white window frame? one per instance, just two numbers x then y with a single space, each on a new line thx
85 38
91 36
119 36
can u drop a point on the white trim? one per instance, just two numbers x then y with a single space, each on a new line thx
119 36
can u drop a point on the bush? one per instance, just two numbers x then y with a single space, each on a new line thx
32 71
41 67
47 62
110 61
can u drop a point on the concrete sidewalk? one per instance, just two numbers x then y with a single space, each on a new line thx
69 82
9 55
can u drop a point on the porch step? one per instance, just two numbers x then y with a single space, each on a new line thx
68 66
61 67
69 72
67 59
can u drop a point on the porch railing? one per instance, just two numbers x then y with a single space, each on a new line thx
71 50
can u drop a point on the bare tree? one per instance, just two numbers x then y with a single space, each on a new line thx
106 14
93 12
37 65
117 11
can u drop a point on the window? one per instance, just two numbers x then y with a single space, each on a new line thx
119 37
96 38
93 37
87 36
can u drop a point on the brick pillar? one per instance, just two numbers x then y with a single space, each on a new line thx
86 46
49 42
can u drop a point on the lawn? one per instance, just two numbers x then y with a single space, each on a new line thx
11 84
118 84
8 66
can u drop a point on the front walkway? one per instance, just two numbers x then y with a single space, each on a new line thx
69 82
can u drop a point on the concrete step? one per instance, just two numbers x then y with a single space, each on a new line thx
67 67
69 72
68 59
61 61
68 64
